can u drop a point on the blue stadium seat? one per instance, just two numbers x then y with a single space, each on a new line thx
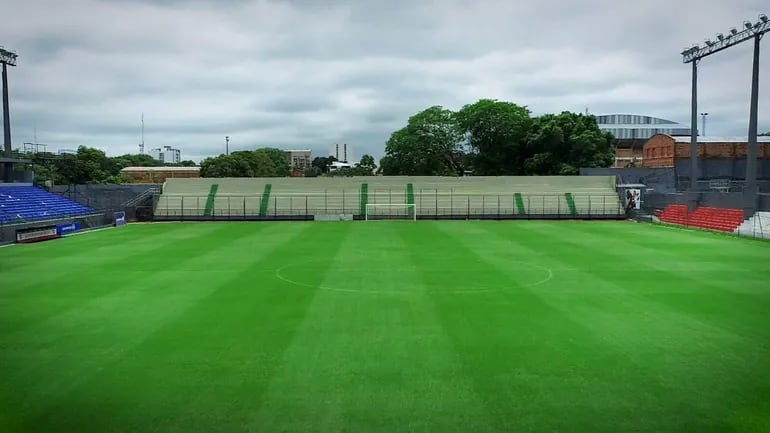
26 203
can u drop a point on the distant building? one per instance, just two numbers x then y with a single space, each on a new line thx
159 174
664 150
166 154
67 152
335 166
343 152
639 127
299 159
633 130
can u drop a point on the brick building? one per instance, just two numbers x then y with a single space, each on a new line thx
159 174
664 151
626 157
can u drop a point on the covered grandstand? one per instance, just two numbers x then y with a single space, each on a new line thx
385 197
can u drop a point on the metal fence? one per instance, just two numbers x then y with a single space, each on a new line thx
427 205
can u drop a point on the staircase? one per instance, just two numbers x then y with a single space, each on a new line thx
758 226
151 191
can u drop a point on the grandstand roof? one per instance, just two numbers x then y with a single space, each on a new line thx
145 169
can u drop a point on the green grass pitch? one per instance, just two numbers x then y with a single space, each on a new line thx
386 327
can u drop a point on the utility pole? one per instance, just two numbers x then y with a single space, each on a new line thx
141 145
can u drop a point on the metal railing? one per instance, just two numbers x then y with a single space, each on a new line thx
427 205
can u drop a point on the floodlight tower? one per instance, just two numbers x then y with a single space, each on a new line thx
693 55
7 58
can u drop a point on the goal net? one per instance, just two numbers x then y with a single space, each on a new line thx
403 211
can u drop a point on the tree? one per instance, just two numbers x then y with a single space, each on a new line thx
496 138
497 135
87 165
425 146
280 160
560 144
765 134
322 163
366 167
185 163
136 160
244 163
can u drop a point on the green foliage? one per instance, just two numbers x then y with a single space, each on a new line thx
765 134
136 160
562 144
322 163
427 145
497 133
244 163
89 166
502 138
279 158
366 167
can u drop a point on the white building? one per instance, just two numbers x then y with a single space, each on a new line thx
167 154
336 166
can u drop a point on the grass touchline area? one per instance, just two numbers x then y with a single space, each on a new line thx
429 326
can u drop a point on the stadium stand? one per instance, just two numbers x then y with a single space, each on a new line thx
711 218
757 226
26 203
674 214
567 196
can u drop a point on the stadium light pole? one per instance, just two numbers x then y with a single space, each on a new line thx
7 58
703 128
227 144
694 55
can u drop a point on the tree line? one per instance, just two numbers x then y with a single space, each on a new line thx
92 166
271 162
488 137
88 166
496 138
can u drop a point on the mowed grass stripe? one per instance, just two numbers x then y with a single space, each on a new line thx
65 354
710 306
55 261
70 275
691 358
211 364
371 355
526 358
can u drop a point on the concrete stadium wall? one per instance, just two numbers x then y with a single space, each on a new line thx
659 179
8 231
763 202
722 169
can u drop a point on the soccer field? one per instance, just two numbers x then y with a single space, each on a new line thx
386 327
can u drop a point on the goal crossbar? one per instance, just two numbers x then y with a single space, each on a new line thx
391 211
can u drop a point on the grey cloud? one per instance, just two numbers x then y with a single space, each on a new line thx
304 73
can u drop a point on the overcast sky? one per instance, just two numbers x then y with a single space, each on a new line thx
307 74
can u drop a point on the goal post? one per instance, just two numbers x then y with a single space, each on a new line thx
401 211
